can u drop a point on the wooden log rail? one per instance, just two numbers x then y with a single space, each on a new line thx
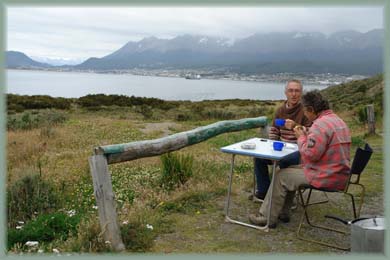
108 154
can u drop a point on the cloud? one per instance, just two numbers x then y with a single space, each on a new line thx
82 32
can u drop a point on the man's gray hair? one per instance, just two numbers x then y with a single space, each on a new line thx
295 81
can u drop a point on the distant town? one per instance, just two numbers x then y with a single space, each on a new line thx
326 79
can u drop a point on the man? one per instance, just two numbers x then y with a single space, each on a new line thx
291 110
325 155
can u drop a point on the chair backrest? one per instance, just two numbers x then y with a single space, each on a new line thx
362 156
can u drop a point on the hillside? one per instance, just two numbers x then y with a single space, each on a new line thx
356 94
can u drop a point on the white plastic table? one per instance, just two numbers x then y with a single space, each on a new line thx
264 149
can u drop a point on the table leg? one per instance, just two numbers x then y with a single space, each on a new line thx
227 218
230 186
270 192
254 180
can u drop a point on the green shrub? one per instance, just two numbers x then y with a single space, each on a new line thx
15 108
30 196
35 119
24 121
183 117
51 117
257 111
145 110
95 108
45 228
176 170
20 103
357 141
218 114
97 100
362 114
167 105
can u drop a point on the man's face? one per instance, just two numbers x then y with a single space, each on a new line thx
293 93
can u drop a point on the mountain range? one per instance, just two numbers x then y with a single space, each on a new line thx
15 59
349 52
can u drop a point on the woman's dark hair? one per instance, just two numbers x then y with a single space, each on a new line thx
315 100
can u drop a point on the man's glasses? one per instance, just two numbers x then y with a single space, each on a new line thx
290 90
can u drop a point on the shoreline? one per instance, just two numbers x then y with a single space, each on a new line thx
321 79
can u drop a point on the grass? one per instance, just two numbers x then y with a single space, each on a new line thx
189 218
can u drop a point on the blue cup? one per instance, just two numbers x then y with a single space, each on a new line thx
280 122
278 146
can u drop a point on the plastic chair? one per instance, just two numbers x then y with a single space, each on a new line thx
362 156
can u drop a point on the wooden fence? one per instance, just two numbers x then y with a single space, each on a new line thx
109 154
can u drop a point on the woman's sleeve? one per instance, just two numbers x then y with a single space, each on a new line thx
313 145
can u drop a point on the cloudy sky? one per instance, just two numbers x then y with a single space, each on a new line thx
78 33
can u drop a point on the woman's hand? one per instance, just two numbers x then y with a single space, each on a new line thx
299 131
290 124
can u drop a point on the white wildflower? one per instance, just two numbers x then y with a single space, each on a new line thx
21 222
19 227
31 243
40 251
55 250
149 226
95 207
107 242
125 222
71 213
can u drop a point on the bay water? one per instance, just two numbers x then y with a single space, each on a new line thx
78 84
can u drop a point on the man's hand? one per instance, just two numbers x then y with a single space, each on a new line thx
299 130
290 124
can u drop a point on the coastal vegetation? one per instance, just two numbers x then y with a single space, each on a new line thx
168 203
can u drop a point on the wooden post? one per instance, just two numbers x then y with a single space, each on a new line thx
105 201
371 119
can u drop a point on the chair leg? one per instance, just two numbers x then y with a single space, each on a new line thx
362 196
363 193
305 215
353 205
